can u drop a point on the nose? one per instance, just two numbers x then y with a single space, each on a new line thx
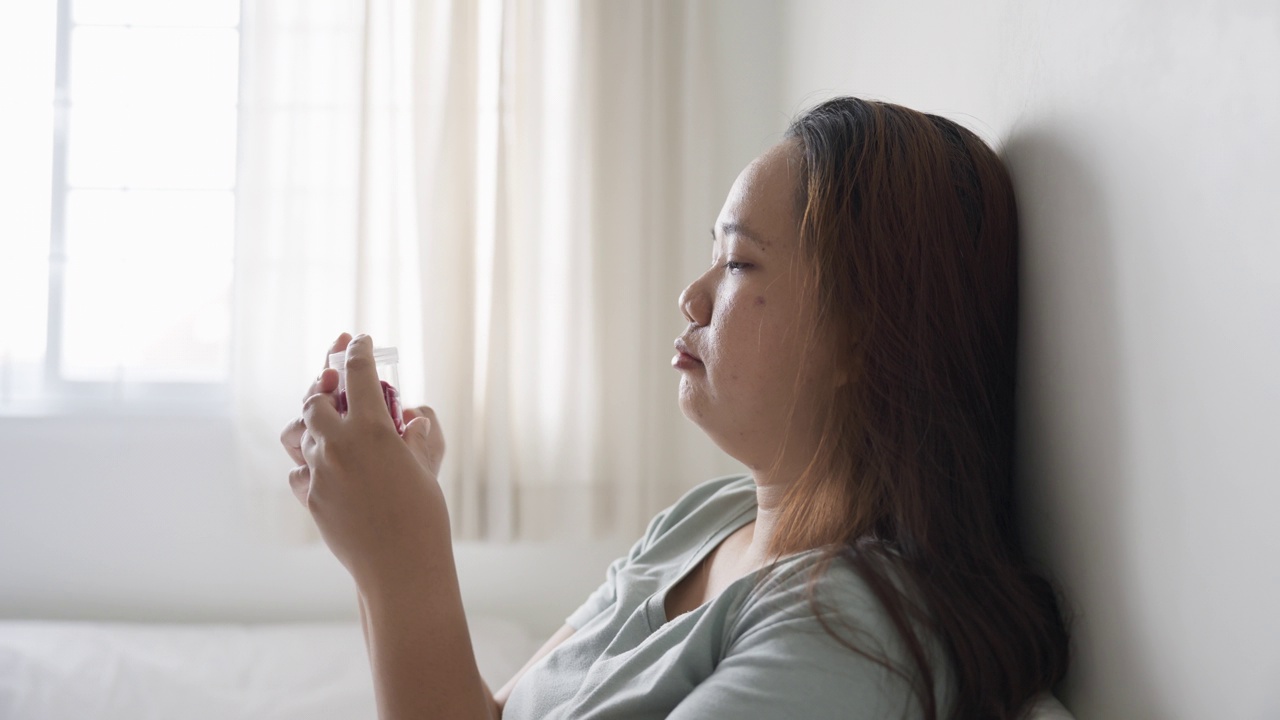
695 303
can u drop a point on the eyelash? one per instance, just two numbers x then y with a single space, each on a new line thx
733 265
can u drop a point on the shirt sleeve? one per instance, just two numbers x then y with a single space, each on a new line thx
780 661
793 669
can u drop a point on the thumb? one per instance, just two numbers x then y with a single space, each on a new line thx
415 435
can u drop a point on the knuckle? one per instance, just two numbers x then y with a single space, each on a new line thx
312 402
359 363
367 425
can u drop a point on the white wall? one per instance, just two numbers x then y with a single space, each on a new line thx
1143 141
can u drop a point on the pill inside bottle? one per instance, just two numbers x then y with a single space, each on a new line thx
387 361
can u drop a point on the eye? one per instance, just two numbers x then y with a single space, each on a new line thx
735 267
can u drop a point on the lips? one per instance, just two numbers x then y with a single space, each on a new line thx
683 348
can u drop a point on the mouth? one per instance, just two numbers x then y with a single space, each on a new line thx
684 357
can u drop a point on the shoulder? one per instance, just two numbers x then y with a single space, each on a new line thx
811 631
807 587
822 606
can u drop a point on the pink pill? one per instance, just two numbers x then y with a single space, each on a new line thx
389 395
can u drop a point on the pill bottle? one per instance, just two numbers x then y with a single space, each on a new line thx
387 361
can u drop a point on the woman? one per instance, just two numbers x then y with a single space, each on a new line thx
853 345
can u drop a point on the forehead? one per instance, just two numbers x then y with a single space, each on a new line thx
763 196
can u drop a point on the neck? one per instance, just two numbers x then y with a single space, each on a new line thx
769 504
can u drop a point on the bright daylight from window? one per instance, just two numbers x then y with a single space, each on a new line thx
117 199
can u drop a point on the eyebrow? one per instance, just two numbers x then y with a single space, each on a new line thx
741 230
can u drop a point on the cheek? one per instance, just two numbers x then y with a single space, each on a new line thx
750 351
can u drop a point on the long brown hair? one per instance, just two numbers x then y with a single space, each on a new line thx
909 227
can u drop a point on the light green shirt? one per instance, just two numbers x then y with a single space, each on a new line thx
751 652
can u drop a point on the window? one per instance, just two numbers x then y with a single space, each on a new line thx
119 204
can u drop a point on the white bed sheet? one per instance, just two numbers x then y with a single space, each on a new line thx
123 671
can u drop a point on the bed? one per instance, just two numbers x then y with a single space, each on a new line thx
129 671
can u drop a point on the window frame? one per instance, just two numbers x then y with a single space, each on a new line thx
59 396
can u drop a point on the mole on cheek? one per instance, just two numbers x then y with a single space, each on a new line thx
759 299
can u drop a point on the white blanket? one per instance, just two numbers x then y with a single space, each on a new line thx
117 671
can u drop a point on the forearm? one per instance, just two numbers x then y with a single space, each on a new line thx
420 650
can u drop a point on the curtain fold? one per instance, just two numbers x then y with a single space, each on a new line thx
508 191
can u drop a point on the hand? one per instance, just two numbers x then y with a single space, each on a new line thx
373 493
295 432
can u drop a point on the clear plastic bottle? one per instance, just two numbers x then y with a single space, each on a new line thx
387 361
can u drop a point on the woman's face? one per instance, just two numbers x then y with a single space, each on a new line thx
742 356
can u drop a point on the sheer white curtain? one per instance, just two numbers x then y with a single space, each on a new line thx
512 192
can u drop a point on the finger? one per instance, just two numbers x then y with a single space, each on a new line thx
300 483
427 412
338 346
320 414
364 391
306 447
325 382
416 435
328 380
311 450
422 411
291 439
434 435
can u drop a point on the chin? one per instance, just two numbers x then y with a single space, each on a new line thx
690 410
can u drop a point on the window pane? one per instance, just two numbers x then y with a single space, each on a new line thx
173 226
132 67
154 146
148 285
26 159
146 318
157 12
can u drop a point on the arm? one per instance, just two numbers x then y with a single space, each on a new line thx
420 650
493 702
376 501
496 700
396 634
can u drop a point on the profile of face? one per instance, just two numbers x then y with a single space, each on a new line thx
742 360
